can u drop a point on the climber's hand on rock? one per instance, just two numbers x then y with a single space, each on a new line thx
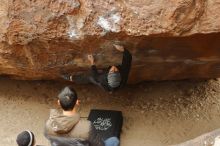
119 48
91 59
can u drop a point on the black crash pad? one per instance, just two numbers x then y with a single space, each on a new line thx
107 123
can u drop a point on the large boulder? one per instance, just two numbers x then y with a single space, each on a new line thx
175 39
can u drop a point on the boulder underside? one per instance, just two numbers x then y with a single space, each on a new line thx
169 40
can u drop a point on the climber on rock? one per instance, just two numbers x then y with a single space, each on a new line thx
114 77
109 79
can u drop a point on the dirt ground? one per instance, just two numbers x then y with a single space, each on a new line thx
155 113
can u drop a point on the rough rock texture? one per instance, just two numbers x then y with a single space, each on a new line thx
208 139
175 39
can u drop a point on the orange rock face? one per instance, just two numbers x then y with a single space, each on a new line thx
175 39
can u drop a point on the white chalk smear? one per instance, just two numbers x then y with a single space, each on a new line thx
110 22
72 3
75 26
104 23
72 33
116 18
